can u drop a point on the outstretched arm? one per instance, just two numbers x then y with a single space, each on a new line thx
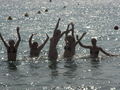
78 40
108 54
19 38
84 46
41 46
6 45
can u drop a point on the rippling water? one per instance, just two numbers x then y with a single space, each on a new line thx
96 17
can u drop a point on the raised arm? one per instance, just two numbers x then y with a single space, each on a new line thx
19 38
84 46
57 25
41 46
66 34
72 29
6 45
108 54
30 40
78 40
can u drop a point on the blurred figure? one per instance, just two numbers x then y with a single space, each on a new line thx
53 54
94 49
12 47
34 48
9 18
69 49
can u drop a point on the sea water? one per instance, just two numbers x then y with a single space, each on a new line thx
96 17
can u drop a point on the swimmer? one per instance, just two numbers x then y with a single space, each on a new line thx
12 47
34 48
26 15
94 49
69 49
57 34
46 10
116 28
39 12
9 18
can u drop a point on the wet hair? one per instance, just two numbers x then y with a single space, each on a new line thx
35 44
11 42
93 40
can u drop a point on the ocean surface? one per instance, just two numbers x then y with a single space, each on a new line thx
96 17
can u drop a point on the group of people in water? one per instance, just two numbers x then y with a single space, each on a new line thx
69 50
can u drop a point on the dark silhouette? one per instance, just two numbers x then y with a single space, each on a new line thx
116 27
26 15
9 18
70 43
53 54
12 47
94 49
39 12
34 48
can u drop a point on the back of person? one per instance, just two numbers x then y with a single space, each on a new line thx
34 52
12 53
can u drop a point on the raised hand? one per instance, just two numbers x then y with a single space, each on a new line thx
17 29
34 34
59 19
47 36
84 33
77 37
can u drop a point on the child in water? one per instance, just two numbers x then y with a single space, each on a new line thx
53 54
94 49
34 48
70 43
12 47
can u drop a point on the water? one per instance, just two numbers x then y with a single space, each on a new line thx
96 17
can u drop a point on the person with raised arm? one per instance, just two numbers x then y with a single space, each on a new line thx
57 34
12 47
35 49
94 49
70 43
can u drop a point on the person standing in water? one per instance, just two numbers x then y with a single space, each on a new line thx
53 54
94 49
69 49
34 48
12 47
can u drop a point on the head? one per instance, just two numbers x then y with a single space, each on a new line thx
70 38
93 41
11 42
35 45
57 32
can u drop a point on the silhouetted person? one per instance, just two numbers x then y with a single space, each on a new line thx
94 49
26 15
9 18
69 49
53 54
46 10
12 47
39 12
35 49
